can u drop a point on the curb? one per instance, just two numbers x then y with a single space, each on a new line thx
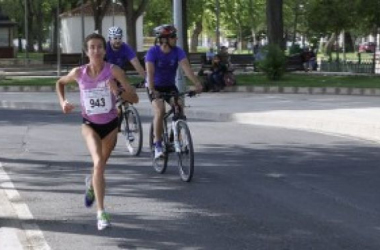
305 90
247 89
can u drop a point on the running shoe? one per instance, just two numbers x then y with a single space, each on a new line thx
104 221
89 197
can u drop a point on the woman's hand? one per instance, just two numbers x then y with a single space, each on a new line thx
113 86
67 107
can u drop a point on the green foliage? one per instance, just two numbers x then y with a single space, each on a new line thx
157 12
295 49
331 16
273 64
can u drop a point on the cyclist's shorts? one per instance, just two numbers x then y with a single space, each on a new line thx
102 129
170 89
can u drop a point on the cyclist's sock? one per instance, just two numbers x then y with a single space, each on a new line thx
158 144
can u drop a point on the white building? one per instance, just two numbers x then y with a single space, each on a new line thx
71 26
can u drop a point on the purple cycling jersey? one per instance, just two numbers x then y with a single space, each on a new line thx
165 64
119 57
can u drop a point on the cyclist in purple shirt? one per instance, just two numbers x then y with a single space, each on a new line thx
119 53
161 63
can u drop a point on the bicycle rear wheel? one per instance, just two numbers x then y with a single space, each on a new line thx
161 163
186 153
131 129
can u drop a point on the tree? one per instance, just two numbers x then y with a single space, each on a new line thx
99 8
275 26
329 17
194 20
132 12
156 13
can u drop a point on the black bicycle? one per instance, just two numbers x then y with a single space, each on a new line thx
130 127
176 138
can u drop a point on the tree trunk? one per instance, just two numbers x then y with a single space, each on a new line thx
350 45
296 11
38 30
184 26
195 35
99 7
329 45
53 44
337 46
131 16
275 26
29 24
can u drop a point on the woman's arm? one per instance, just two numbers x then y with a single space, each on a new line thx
128 93
60 89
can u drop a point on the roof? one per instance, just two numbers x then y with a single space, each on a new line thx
5 21
114 9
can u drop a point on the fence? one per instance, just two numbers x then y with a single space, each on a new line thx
353 66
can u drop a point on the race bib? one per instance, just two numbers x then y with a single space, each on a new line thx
97 100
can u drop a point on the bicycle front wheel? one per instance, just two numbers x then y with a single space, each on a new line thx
159 164
131 129
186 152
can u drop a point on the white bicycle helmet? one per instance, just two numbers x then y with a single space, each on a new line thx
115 32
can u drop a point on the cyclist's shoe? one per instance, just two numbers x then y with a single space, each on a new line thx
104 221
158 152
89 197
129 147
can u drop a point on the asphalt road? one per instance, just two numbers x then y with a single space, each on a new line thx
254 188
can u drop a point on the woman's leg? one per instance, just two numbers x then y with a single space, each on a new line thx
100 150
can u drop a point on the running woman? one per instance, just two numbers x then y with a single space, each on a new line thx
98 92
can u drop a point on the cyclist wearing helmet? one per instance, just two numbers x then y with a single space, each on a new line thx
119 53
161 63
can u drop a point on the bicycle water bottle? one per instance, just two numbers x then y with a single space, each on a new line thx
176 142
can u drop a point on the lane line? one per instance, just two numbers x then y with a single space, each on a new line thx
34 235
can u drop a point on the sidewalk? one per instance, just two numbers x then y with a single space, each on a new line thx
355 116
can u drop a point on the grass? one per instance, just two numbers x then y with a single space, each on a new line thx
256 79
31 55
308 80
44 81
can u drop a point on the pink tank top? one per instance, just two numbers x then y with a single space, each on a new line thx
97 100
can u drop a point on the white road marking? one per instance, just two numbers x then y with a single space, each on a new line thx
34 236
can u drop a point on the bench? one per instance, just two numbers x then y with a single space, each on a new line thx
67 60
196 58
75 59
242 61
294 62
